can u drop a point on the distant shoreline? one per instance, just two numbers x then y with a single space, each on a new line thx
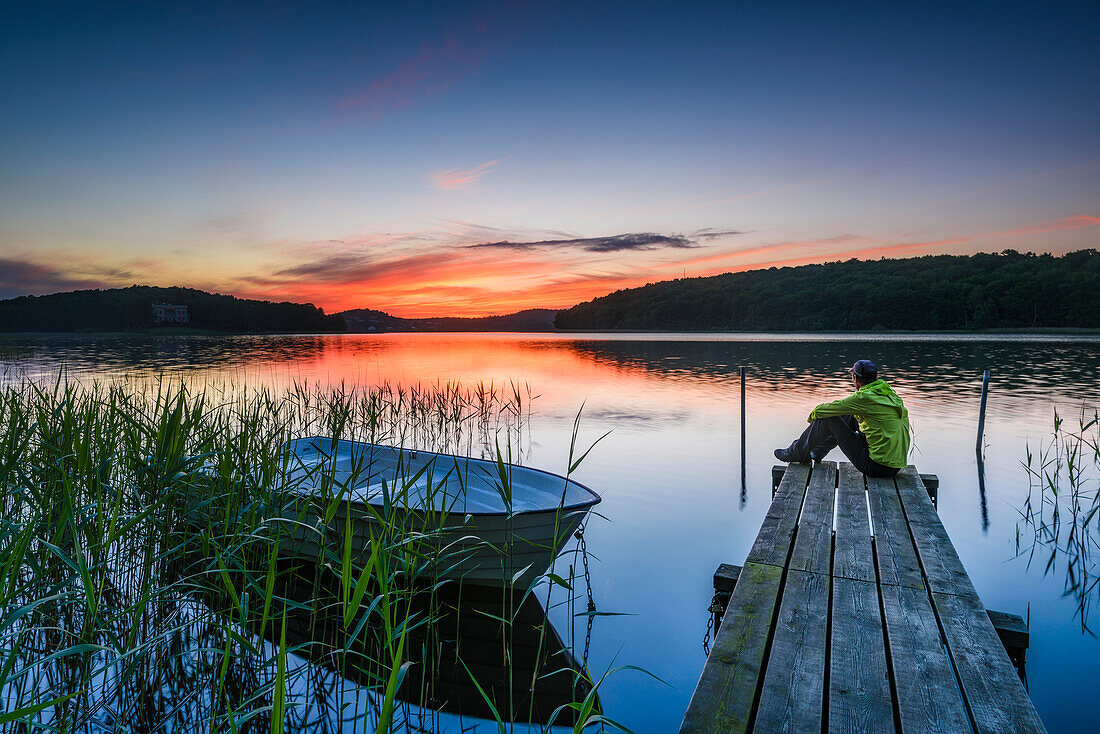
1001 332
1048 331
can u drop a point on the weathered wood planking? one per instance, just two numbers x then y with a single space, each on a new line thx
852 554
927 697
938 559
842 633
994 694
724 696
773 543
997 699
813 546
859 681
896 558
726 692
791 700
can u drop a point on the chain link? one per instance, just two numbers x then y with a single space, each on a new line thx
591 601
715 612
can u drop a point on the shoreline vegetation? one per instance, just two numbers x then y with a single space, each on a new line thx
143 583
1003 293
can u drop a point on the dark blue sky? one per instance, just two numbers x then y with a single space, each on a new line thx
348 154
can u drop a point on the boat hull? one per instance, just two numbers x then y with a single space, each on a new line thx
482 549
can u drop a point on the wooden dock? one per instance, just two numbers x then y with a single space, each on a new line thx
853 613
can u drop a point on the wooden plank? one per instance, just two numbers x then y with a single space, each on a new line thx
997 699
927 697
859 681
896 557
723 699
813 545
852 557
938 559
792 698
773 543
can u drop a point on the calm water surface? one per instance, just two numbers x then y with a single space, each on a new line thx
670 470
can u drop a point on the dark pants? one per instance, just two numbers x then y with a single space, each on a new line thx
825 434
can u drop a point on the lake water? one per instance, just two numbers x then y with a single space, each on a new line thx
670 469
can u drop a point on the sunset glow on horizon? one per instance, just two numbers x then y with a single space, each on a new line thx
470 160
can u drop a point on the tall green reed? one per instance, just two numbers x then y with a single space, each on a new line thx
141 541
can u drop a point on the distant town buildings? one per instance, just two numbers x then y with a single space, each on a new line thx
166 313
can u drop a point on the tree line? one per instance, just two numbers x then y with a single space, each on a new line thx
131 309
1007 290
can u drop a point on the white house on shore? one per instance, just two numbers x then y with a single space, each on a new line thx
166 313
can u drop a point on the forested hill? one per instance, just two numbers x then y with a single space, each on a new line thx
131 309
942 292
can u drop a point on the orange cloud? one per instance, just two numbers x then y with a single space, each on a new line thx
465 281
450 282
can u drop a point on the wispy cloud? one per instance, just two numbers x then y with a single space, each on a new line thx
711 233
1075 222
616 243
435 69
343 268
235 226
819 247
26 277
457 179
441 63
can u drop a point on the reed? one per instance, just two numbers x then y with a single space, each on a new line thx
1060 525
145 583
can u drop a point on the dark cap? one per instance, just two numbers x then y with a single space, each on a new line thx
863 369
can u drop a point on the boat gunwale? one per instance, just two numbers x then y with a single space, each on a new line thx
493 513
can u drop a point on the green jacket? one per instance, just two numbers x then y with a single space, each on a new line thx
882 418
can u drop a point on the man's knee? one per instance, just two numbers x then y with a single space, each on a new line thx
838 424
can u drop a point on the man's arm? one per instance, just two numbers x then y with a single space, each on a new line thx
845 406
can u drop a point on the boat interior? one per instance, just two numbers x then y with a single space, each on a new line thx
376 474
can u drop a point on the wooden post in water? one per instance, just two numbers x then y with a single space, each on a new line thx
981 412
744 490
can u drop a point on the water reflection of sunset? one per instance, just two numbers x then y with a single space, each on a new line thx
791 369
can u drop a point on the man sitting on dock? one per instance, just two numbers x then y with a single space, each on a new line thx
871 426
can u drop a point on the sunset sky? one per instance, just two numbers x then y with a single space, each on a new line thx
477 158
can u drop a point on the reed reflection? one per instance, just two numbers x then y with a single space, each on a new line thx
1059 526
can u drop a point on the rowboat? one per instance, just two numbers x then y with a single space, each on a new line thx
442 516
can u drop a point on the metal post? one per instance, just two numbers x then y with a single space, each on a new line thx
744 490
981 412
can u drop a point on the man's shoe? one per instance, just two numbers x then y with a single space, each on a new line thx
815 458
784 455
